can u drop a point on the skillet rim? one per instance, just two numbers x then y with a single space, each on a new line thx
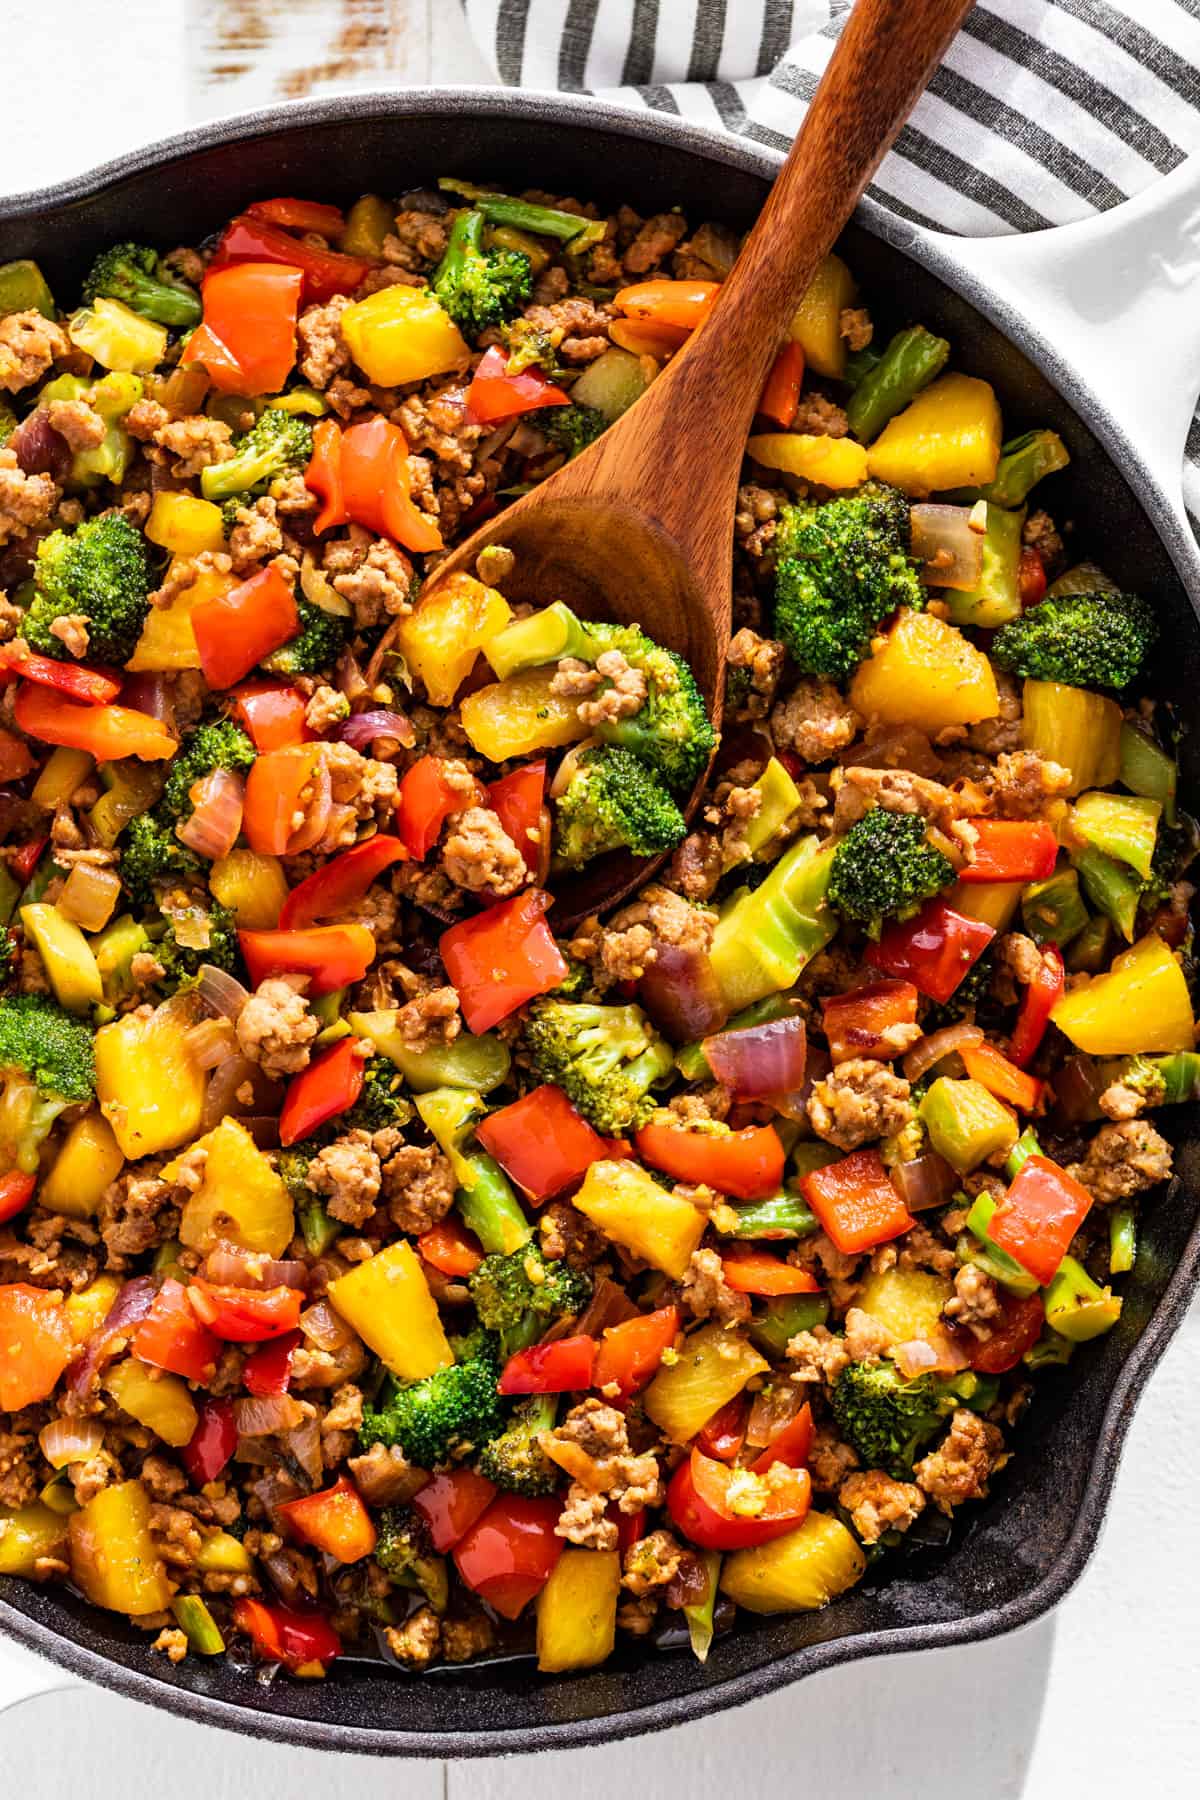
934 253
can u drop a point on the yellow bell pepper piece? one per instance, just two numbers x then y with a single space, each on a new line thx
118 337
1078 729
948 437
387 1301
160 1402
712 1368
29 1535
1141 1005
994 903
908 1302
369 221
149 1085
185 525
91 1305
240 1198
577 1611
65 771
89 1159
828 461
817 322
441 638
805 1569
252 886
630 1208
66 957
168 642
402 334
925 673
221 1553
113 1556
520 715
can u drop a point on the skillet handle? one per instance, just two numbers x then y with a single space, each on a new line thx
1116 297
24 1676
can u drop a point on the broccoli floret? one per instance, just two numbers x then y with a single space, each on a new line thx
842 568
321 641
46 1064
884 868
531 346
477 287
407 1557
611 802
1096 639
278 443
578 978
133 274
451 1412
218 745
888 1420
181 963
152 854
381 1102
515 1461
519 1295
100 571
572 427
605 1058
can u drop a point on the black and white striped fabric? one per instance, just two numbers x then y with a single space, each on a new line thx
1043 112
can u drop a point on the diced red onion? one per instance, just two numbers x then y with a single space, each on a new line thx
361 729
304 1443
263 1129
609 1305
38 448
150 694
229 1266
65 1441
945 540
928 1051
130 1306
1078 1086
316 819
258 1415
938 1354
210 1042
760 1059
217 801
681 993
925 1182
773 1407
323 1327
221 1095
221 992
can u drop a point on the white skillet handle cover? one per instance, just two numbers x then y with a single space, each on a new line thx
23 1676
1117 296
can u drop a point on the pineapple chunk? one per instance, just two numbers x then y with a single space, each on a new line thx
1071 726
925 673
387 1301
441 638
168 642
160 1402
817 322
520 715
253 887
114 1560
185 525
90 1306
577 1611
830 462
908 1302
1142 1005
29 1535
89 1159
631 1209
150 1088
798 1572
948 437
711 1369
240 1199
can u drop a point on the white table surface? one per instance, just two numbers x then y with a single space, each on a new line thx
1099 1700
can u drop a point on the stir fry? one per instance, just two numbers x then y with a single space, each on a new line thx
387 1267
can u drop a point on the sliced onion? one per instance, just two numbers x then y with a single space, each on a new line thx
217 801
894 747
230 1266
773 1407
1078 1086
129 1308
263 1129
258 1415
65 1441
925 1182
324 1328
304 1443
760 1059
930 1050
221 992
681 994
316 586
38 448
609 1305
210 1042
936 1355
220 1099
316 819
564 775
944 539
363 728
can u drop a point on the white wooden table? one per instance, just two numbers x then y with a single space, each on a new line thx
1099 1700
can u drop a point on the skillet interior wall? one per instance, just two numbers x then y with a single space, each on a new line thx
1014 1540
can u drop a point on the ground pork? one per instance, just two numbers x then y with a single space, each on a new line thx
854 324
836 1271
196 444
763 660
1020 956
975 1302
325 708
349 1172
71 630
830 1460
818 1355
651 1564
362 788
1123 1160
876 1503
29 344
623 950
707 1295
26 501
920 1249
624 695
418 1185
959 1468
419 239
275 1027
439 424
374 576
1025 782
895 790
592 1445
173 1642
697 866
136 1211
857 1102
479 854
654 242
815 721
384 1476
866 1337
818 416
19 1479
256 536
1120 1102
994 736
1041 534
77 422
756 520
418 1640
577 327
429 1019
323 351
464 1638
567 1235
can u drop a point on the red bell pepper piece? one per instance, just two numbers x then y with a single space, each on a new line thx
247 341
747 1164
334 956
856 1203
698 1500
337 885
1017 1330
724 1434
328 1087
1031 577
272 714
792 1445
254 241
934 949
269 1370
631 1527
276 788
246 1315
36 1336
450 1248
107 732
91 686
377 489
302 1641
501 958
16 758
1040 1214
25 859
857 1023
560 1367
985 1064
300 215
16 1191
213 1442
781 394
234 631
426 801
495 394
508 1555
324 475
1011 850
666 302
750 1271
450 1504
171 1336
541 1142
630 1354
518 801
1038 1001
334 1520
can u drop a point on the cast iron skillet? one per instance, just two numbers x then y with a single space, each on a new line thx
1022 1551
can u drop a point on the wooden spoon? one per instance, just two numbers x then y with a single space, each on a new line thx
639 528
